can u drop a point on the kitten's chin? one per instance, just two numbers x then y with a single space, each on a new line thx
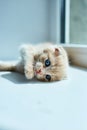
39 77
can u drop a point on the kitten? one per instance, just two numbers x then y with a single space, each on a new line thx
46 62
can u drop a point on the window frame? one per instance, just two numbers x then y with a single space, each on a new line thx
64 21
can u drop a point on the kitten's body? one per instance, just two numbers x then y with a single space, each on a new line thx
46 62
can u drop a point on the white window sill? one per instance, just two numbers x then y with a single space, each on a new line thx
77 54
36 105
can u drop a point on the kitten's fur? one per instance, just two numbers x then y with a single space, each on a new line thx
32 62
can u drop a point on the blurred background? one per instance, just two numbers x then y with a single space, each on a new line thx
25 21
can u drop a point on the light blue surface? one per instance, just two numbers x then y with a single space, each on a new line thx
43 106
22 21
27 21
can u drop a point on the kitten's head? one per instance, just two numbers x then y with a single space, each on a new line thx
51 64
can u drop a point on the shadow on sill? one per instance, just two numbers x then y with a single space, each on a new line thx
18 78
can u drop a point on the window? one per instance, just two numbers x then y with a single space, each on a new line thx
76 31
78 21
75 21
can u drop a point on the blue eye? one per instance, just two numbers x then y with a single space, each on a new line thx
47 62
48 77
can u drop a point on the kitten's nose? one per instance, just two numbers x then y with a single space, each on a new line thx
38 71
38 68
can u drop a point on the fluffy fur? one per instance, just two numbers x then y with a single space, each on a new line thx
32 62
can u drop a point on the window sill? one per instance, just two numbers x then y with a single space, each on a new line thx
64 102
77 54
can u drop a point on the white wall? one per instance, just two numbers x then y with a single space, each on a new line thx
23 21
55 20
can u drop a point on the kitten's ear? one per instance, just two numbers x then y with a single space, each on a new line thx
57 52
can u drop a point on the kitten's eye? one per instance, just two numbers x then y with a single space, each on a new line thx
48 77
47 62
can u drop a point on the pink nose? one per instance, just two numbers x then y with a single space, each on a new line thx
38 71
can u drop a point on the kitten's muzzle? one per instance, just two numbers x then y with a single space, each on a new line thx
38 71
38 68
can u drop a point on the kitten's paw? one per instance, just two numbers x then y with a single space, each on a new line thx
29 74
